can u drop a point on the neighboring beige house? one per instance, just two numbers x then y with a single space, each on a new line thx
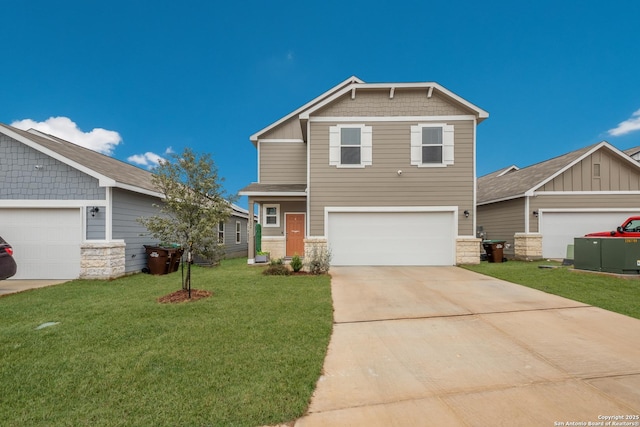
381 173
539 209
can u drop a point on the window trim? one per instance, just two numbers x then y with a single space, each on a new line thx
335 145
238 233
264 215
447 145
221 232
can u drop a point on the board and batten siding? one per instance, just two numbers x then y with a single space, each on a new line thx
283 162
601 171
380 184
127 208
502 220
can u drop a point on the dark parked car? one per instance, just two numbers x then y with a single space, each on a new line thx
7 263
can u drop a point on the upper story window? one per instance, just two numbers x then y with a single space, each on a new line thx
221 232
271 215
350 146
432 145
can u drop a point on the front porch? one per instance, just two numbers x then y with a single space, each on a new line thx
282 215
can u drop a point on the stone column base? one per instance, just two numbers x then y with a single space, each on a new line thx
276 246
527 247
103 260
468 250
314 242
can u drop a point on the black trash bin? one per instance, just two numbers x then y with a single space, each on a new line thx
157 259
175 255
494 249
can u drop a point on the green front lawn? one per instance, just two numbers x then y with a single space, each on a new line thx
249 355
621 295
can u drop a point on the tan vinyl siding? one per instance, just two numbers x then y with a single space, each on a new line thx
283 162
290 129
502 220
615 175
285 206
380 185
405 102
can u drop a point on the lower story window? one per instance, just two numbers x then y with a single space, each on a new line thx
221 232
271 215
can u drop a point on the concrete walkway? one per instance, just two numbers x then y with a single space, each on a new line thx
14 286
442 346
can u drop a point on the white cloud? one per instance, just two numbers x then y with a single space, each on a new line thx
100 140
148 159
632 124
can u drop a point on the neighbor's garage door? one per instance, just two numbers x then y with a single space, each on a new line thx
46 242
559 228
391 238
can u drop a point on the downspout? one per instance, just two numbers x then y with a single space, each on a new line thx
307 217
475 179
526 215
109 215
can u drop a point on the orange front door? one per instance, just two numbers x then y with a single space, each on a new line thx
295 234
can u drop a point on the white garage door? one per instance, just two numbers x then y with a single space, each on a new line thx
391 238
46 242
559 228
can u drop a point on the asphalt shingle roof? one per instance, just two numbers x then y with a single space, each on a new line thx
493 187
109 167
274 188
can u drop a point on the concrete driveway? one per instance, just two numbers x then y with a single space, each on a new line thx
422 346
14 286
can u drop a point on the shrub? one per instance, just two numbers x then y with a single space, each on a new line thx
319 260
296 263
276 268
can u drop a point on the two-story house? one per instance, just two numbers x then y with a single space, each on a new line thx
380 173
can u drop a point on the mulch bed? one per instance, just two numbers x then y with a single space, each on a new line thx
183 296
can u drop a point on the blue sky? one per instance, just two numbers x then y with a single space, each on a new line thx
138 79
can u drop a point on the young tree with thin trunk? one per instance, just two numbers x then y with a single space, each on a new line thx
194 204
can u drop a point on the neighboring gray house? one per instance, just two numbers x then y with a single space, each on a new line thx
381 173
233 233
71 212
540 209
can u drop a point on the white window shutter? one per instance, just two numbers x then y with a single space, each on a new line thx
416 145
334 146
366 146
447 143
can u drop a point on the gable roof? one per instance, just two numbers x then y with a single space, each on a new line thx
352 84
632 151
510 183
108 171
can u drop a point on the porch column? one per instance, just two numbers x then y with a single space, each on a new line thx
251 237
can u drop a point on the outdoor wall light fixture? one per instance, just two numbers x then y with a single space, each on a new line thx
535 213
399 172
38 167
466 214
94 210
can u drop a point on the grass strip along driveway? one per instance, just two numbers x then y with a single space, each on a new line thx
618 294
113 356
